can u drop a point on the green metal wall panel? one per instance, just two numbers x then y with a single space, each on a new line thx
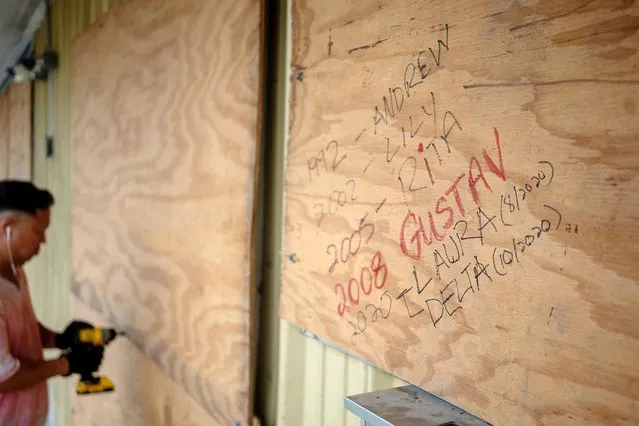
314 379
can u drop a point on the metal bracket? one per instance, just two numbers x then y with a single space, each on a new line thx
407 406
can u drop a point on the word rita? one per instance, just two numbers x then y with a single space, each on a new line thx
414 232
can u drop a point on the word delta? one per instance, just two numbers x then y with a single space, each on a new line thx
413 225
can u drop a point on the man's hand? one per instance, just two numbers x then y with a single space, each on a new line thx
71 334
32 372
84 359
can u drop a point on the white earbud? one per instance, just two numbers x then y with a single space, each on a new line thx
13 266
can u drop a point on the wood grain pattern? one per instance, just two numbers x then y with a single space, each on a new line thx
154 398
15 132
462 193
20 131
5 142
165 129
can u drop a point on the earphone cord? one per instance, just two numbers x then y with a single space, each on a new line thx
13 265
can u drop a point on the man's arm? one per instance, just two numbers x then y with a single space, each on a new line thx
47 336
31 373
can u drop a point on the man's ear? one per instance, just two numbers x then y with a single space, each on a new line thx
5 223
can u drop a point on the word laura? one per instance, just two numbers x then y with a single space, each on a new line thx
484 221
415 224
368 278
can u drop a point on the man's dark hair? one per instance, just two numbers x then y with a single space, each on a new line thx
23 196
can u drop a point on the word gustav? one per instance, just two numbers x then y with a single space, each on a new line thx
347 247
376 313
368 278
336 199
475 175
314 162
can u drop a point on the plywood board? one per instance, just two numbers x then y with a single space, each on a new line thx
20 131
5 141
165 133
153 399
15 132
462 198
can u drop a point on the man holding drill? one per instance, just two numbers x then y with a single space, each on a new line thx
24 218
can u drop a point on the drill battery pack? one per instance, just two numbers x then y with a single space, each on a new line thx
89 385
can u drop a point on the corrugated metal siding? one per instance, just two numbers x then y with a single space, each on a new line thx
50 272
314 379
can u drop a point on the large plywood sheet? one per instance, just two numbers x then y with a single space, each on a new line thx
165 129
462 198
15 132
5 136
20 131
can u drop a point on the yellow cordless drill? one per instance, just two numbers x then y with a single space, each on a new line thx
86 338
